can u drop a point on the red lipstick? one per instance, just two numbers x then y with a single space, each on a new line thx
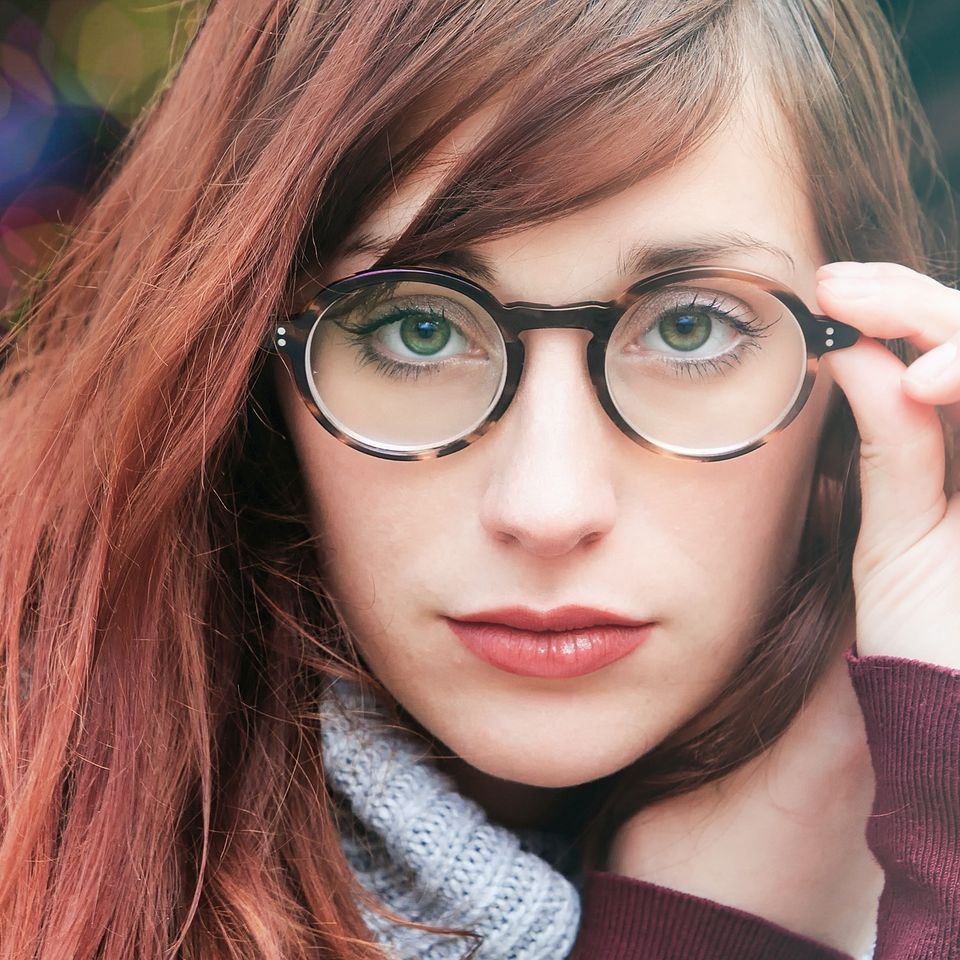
567 642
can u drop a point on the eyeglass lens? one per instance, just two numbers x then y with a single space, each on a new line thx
712 363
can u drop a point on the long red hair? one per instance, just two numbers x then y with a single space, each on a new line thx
164 632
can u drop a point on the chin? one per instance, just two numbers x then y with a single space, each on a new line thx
538 741
554 769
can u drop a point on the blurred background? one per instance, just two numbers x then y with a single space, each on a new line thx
74 73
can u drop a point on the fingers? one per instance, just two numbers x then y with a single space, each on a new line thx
935 376
888 300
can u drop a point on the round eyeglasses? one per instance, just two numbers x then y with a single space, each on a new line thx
701 363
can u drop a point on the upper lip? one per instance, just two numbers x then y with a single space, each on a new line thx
571 617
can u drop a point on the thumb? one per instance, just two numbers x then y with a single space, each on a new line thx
902 455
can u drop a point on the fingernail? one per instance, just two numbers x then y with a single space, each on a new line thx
847 268
929 367
851 288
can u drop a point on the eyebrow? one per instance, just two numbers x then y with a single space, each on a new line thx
641 259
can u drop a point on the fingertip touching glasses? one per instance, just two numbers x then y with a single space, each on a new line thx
700 363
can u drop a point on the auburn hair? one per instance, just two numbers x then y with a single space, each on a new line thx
165 634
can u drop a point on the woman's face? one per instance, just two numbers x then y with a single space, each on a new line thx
555 506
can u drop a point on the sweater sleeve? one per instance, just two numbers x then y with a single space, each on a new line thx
912 716
628 919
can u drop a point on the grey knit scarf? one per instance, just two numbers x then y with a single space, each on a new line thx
430 854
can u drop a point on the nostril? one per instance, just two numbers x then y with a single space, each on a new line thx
549 508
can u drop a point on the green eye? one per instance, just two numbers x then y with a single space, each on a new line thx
686 329
424 334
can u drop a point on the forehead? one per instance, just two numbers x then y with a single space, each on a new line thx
740 190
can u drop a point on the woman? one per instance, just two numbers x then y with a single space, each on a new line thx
601 632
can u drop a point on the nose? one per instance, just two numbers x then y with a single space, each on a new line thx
552 485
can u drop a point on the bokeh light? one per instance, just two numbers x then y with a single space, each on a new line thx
75 73
73 76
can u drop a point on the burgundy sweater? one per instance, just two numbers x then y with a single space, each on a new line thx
912 714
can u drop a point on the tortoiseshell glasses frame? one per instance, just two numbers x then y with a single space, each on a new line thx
290 339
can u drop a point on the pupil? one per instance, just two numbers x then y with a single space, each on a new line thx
686 331
424 335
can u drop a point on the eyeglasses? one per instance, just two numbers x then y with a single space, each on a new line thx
702 363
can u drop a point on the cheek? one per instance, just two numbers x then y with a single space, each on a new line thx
751 519
379 524
702 546
741 544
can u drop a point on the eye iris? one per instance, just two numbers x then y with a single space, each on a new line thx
424 335
686 329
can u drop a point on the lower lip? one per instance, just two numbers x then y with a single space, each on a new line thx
552 654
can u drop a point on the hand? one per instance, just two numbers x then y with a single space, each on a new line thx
783 836
906 566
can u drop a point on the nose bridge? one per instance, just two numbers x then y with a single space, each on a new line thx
552 487
595 318
591 315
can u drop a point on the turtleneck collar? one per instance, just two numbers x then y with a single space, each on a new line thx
430 854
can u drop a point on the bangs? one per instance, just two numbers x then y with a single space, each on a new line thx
586 105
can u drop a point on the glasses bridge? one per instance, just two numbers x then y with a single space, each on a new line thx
591 315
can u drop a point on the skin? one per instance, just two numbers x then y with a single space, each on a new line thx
778 838
555 506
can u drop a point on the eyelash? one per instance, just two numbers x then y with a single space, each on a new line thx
751 327
396 369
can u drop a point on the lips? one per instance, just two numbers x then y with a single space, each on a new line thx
566 642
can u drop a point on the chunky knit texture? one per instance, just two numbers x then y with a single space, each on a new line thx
431 855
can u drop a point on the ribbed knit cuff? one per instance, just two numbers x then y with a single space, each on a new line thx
628 919
912 715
